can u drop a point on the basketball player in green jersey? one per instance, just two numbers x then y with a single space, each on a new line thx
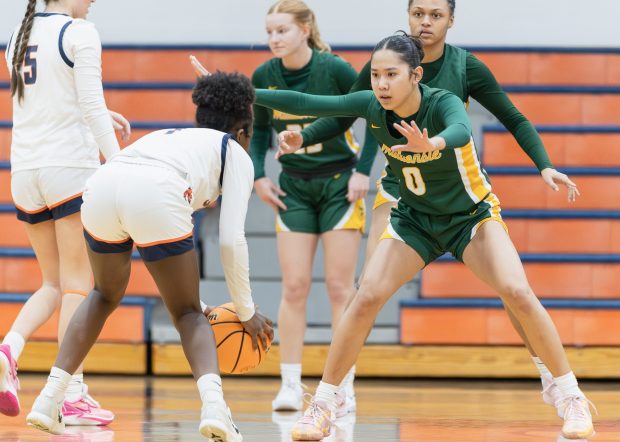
321 188
454 69
446 205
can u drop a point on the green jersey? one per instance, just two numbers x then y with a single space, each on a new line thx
440 182
460 72
325 74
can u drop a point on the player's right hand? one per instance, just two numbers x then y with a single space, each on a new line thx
260 327
269 193
289 141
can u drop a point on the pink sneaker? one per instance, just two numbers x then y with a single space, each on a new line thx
315 424
9 384
86 411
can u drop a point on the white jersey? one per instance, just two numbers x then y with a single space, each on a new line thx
196 154
63 119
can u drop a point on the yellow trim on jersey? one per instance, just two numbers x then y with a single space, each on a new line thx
473 179
390 233
351 141
477 226
382 197
354 218
494 211
280 226
495 208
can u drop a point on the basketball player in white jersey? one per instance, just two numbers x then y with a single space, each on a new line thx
145 196
60 124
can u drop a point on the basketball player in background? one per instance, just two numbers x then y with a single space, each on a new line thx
60 125
147 194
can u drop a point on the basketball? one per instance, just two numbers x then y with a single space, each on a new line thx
234 344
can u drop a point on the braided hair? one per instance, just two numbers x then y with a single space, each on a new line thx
21 44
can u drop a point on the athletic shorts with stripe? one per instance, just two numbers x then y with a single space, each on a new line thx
48 192
433 235
125 202
319 205
388 190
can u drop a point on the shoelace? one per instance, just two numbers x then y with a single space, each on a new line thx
575 411
13 371
88 398
313 411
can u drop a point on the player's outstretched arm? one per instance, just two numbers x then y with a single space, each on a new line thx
552 178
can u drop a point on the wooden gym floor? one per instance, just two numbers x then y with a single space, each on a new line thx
167 409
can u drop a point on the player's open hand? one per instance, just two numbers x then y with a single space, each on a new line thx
289 141
260 327
121 124
359 184
552 177
417 140
270 193
200 70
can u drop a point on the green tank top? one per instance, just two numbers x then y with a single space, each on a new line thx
449 72
325 74
437 183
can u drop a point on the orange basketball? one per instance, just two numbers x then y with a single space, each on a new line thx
234 344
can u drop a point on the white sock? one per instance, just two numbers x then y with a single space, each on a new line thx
567 384
327 393
16 343
348 378
57 383
291 373
542 368
74 391
210 388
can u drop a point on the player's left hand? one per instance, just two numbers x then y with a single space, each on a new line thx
552 177
289 141
417 140
260 327
121 124
200 70
359 184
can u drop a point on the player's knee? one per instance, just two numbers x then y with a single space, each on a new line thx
338 290
367 300
519 296
295 291
185 312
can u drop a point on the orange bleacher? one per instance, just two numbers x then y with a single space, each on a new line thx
120 326
491 326
510 67
548 280
530 192
14 268
540 108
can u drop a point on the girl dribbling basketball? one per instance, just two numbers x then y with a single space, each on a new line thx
146 195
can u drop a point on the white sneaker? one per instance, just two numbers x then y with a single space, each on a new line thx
551 393
216 423
46 415
351 402
577 417
289 398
